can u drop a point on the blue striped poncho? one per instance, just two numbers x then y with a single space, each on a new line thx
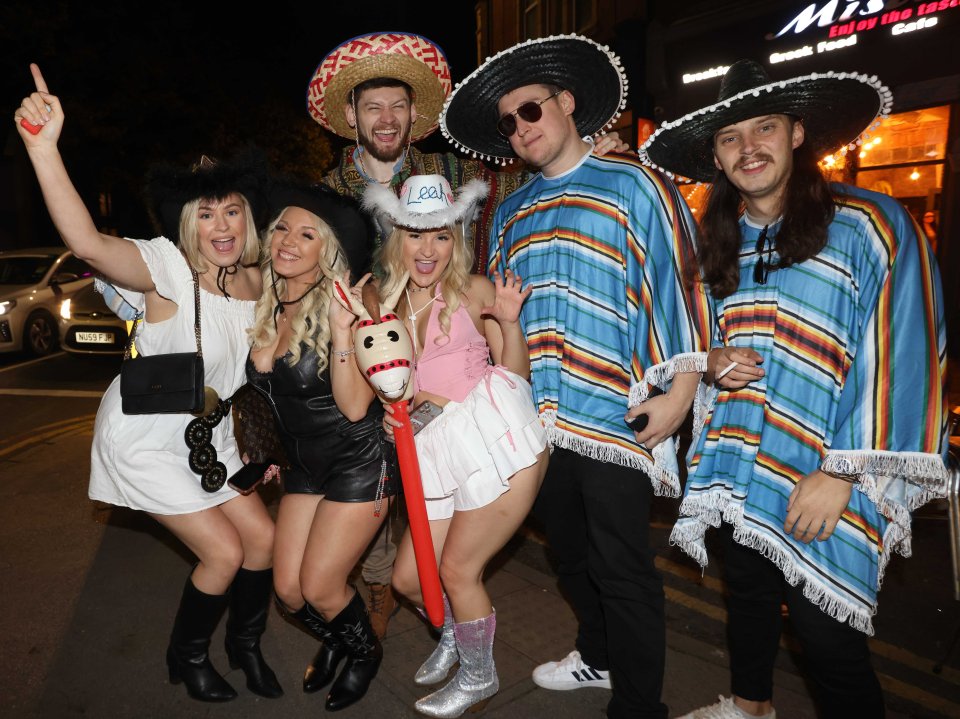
853 342
607 249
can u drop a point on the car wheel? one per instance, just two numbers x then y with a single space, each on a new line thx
40 334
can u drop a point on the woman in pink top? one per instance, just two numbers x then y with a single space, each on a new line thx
482 460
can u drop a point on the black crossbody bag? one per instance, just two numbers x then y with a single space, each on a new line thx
167 383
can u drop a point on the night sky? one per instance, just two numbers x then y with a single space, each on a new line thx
141 82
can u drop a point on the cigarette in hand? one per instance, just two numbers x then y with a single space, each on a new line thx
726 370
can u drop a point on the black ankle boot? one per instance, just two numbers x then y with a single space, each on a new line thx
324 665
249 604
364 654
187 657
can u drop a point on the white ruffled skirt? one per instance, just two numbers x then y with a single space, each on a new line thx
469 453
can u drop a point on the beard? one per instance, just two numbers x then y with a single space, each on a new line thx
369 142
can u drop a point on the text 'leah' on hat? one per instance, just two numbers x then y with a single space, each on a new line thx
426 202
169 187
590 71
835 107
412 59
353 228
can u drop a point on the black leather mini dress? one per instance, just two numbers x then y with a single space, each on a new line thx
330 455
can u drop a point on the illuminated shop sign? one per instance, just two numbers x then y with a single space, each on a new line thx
717 71
862 16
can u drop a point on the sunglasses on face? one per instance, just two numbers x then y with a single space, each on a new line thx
528 112
762 269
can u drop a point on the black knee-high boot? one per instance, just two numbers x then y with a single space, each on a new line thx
324 665
249 605
364 654
188 660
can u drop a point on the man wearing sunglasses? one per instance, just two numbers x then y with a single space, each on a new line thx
826 426
606 246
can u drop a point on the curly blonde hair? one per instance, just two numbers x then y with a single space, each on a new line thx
454 282
311 323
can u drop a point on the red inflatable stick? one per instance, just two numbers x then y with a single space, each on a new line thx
417 515
29 126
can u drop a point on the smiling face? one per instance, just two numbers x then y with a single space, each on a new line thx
384 117
426 254
221 230
296 245
551 144
756 155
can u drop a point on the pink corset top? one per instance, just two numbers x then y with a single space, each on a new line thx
451 365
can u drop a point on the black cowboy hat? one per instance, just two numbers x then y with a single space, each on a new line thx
169 188
835 108
591 72
353 228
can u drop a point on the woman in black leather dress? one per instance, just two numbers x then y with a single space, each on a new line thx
338 489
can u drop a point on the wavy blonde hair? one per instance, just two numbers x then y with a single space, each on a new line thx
454 282
311 323
190 235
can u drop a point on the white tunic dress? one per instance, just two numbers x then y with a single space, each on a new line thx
140 461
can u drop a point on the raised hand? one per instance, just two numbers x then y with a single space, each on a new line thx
347 302
508 299
40 116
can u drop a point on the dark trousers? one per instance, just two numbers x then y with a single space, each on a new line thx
597 518
835 655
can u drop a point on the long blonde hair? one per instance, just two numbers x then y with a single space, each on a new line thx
311 323
454 282
190 235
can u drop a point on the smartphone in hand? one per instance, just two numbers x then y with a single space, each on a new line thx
248 477
639 423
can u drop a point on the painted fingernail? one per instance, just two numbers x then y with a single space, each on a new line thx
29 126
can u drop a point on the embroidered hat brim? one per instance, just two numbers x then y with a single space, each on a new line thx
835 108
590 71
412 59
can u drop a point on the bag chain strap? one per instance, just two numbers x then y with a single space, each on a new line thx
196 319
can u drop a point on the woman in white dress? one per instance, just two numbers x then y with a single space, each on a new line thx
143 461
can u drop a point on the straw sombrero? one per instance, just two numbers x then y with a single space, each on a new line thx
590 71
836 107
413 59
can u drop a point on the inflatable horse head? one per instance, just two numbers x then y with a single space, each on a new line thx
384 349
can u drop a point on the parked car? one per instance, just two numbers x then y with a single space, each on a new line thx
33 283
89 326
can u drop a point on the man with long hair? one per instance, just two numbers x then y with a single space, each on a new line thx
825 423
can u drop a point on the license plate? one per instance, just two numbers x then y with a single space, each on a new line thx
101 338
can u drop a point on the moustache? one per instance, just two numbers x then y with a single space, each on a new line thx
753 158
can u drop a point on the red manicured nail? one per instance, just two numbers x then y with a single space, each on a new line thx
29 126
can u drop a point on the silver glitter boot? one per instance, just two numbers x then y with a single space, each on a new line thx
435 669
475 681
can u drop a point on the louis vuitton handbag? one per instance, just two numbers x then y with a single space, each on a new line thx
166 383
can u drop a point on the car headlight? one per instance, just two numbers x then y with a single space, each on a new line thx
65 309
6 306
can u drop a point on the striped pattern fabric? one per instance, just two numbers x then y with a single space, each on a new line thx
347 180
607 249
853 342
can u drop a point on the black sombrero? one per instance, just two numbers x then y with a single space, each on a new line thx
169 188
836 107
353 227
587 69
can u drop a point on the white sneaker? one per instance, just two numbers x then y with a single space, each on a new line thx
724 709
570 673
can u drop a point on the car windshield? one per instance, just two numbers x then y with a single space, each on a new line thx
24 270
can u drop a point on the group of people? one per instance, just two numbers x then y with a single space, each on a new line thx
801 321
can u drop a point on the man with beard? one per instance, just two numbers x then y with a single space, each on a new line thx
826 425
385 91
